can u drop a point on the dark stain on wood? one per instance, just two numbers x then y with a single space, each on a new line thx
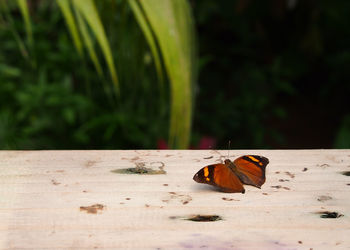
165 185
346 173
265 193
289 174
282 180
279 186
329 215
93 209
184 198
229 199
209 157
204 218
305 169
139 170
54 182
324 165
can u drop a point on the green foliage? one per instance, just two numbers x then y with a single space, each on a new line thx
62 103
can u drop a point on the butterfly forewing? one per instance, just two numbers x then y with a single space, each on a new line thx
251 169
220 175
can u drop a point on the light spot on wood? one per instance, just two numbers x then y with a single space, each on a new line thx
90 163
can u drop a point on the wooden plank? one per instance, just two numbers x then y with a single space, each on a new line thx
45 198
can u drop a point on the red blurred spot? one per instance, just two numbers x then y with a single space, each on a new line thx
161 144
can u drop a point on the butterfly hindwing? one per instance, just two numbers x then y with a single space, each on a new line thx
251 169
220 175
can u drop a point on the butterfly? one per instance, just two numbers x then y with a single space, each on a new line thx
230 176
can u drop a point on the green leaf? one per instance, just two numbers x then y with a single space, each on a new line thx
172 25
25 13
141 19
88 43
88 10
72 27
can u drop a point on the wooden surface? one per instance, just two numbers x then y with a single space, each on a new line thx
72 200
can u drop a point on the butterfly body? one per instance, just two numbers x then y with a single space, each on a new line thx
230 176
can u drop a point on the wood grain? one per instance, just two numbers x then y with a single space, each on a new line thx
73 200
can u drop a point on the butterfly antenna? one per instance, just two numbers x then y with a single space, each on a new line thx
228 150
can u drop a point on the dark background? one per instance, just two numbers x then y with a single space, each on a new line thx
272 74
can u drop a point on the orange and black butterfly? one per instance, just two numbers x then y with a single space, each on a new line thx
230 176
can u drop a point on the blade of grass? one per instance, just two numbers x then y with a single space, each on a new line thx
10 22
72 27
146 29
25 14
88 10
172 25
88 43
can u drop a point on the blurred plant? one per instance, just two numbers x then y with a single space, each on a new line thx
168 28
342 139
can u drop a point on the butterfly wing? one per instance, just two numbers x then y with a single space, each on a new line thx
251 169
220 175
